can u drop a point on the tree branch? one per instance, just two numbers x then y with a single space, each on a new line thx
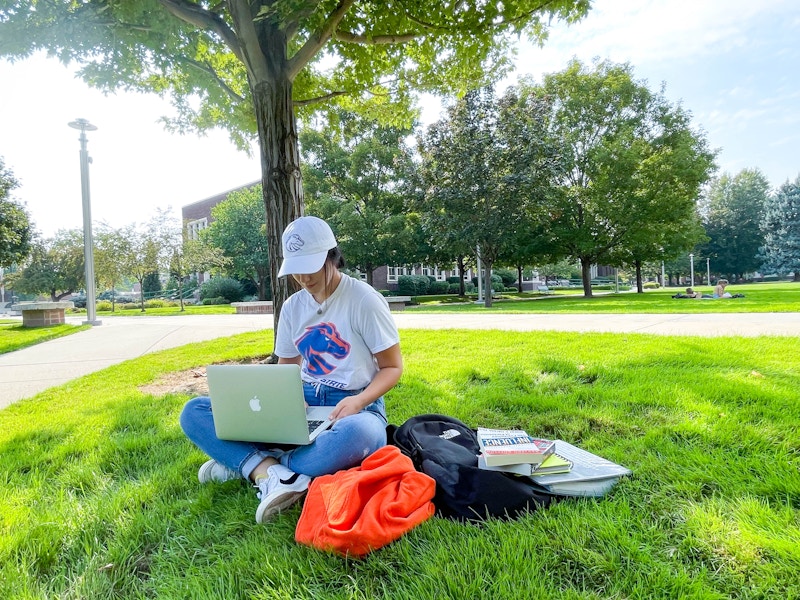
210 70
318 40
351 38
323 98
199 17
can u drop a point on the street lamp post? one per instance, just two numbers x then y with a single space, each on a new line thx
708 271
691 267
478 261
88 252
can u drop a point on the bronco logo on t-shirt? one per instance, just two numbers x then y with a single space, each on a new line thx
319 340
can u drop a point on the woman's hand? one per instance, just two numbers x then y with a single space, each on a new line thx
351 405
390 367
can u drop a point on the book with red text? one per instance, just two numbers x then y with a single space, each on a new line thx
512 446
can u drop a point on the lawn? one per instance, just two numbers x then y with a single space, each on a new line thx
767 297
13 336
99 496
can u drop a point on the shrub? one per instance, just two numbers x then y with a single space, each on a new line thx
412 285
217 300
508 277
222 287
651 285
439 287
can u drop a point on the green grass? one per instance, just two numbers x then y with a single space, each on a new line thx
99 496
172 311
760 298
13 336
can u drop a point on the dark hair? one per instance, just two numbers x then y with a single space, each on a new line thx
336 258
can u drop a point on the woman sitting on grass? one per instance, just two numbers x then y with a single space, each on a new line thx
354 381
719 289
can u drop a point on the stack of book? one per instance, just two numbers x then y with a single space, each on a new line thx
512 450
558 466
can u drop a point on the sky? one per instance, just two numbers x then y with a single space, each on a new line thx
733 64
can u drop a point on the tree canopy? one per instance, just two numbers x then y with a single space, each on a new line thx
55 266
631 167
249 64
781 228
16 230
483 170
734 213
238 230
356 174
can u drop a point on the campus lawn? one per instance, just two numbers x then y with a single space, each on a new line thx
99 496
766 297
13 336
172 311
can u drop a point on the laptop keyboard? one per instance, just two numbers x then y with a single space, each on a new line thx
312 425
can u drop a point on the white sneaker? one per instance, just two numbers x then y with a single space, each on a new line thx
211 470
280 490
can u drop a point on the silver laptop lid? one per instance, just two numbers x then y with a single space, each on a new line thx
258 403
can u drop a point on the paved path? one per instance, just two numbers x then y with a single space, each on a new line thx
31 370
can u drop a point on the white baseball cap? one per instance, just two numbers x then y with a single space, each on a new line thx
306 242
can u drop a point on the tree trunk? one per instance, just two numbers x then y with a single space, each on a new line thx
369 269
280 168
487 283
519 278
586 276
639 285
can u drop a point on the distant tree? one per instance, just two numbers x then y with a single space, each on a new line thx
54 267
16 230
355 172
481 169
734 213
631 166
781 228
247 65
144 256
111 246
193 256
151 284
238 229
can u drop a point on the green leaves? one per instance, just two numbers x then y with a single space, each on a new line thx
15 224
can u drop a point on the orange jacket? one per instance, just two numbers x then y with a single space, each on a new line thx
361 509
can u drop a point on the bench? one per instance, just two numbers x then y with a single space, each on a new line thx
543 289
397 303
256 307
42 314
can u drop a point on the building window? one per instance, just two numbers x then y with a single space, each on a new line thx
193 228
395 272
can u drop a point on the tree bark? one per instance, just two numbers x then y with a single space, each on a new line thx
487 283
639 284
586 277
280 166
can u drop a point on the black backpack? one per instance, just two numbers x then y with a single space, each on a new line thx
447 450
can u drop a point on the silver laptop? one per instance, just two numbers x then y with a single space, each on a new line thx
263 403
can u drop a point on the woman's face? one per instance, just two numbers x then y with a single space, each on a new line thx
316 283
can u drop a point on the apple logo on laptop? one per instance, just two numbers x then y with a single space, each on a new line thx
255 404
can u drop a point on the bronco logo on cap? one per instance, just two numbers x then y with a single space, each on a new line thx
294 243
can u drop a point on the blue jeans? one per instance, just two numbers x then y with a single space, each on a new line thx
348 442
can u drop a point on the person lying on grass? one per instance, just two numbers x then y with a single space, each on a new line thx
354 381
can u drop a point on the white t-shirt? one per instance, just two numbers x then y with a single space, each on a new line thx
337 345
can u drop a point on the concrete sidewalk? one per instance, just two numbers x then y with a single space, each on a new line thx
31 370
